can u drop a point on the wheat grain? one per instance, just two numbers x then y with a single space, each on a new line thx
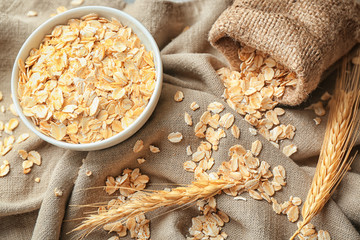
342 130
149 201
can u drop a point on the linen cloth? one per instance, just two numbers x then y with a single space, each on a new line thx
30 210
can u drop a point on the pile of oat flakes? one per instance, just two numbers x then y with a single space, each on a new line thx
87 81
253 93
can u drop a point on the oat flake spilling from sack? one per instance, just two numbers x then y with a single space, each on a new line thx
306 37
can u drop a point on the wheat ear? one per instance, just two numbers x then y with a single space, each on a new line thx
149 201
342 130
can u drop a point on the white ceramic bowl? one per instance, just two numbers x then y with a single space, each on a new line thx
145 37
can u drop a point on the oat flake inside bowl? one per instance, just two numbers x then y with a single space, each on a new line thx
88 80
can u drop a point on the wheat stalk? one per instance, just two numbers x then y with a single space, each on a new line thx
150 201
342 130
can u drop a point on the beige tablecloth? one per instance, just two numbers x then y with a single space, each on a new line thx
30 210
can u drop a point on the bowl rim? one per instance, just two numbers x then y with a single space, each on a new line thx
139 121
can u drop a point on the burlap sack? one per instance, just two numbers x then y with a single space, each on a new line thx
305 36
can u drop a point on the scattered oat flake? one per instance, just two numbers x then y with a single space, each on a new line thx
175 137
23 154
5 150
324 235
210 163
227 120
279 111
188 119
6 129
214 121
35 157
235 131
308 230
205 117
272 116
289 150
88 173
37 180
22 137
215 107
8 141
279 171
317 120
76 2
154 149
318 108
293 214
139 145
256 147
252 131
223 216
2 108
188 150
194 106
27 164
268 188
140 160
296 201
189 166
276 206
58 192
31 13
179 96
1 96
198 156
13 110
13 123
5 168
240 198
